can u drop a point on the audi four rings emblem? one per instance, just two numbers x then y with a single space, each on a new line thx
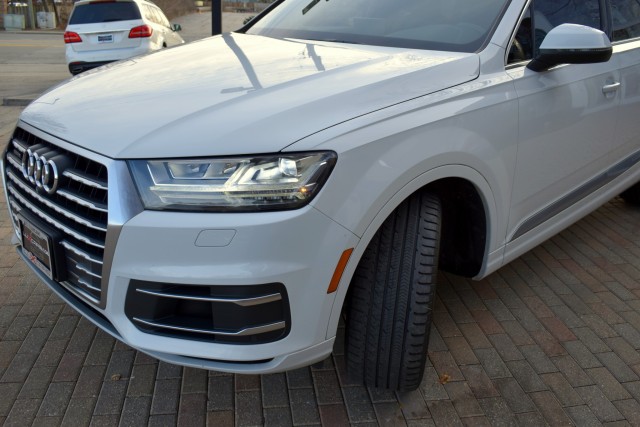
41 170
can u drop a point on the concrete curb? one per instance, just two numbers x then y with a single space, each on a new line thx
47 32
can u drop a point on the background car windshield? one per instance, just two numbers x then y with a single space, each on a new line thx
453 25
92 13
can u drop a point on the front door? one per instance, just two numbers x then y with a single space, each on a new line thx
566 120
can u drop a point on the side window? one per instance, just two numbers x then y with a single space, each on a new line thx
583 12
548 14
147 13
163 19
522 46
154 12
625 15
158 16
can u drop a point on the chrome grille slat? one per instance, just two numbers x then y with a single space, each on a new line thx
101 207
83 282
82 178
242 332
55 207
80 252
75 206
81 291
51 221
14 161
87 271
19 145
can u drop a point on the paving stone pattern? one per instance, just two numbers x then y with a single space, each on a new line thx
550 339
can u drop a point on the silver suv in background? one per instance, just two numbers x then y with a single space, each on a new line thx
101 31
226 203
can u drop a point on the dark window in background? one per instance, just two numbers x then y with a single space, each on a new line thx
93 13
583 12
625 15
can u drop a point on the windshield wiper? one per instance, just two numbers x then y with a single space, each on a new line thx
310 6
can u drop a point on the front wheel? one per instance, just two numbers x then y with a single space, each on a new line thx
389 308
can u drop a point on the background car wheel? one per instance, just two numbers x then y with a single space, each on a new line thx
632 195
389 309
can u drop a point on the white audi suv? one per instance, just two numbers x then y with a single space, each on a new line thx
226 203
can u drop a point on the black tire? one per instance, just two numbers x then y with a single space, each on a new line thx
391 297
632 195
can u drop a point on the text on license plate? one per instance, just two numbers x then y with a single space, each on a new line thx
105 38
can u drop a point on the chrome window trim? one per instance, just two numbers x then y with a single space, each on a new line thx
625 45
619 42
514 31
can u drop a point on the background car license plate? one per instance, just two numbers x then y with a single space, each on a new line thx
36 245
105 38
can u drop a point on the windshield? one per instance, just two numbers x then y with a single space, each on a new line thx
92 13
452 25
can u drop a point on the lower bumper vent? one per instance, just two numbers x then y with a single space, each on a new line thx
255 314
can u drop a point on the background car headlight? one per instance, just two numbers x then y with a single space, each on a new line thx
270 182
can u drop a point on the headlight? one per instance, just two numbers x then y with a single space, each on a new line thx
272 182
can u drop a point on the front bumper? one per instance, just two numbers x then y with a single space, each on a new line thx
296 251
278 363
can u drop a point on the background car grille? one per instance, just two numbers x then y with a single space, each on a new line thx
77 211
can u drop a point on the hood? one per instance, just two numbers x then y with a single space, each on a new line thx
236 94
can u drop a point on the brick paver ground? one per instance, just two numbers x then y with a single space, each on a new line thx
552 338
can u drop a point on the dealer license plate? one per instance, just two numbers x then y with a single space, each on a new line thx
36 245
105 38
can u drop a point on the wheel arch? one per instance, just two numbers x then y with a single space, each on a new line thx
463 242
458 186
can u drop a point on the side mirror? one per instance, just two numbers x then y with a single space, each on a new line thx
176 27
572 44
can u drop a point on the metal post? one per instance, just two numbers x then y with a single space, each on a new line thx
30 11
216 17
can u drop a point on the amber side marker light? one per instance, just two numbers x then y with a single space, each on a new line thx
337 275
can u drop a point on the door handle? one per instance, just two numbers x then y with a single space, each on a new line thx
610 88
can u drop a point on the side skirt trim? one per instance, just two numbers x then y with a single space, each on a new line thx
576 195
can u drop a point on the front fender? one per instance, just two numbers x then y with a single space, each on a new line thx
474 124
492 260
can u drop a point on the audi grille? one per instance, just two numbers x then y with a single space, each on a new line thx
53 189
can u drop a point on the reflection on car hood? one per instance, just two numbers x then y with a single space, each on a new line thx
237 94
